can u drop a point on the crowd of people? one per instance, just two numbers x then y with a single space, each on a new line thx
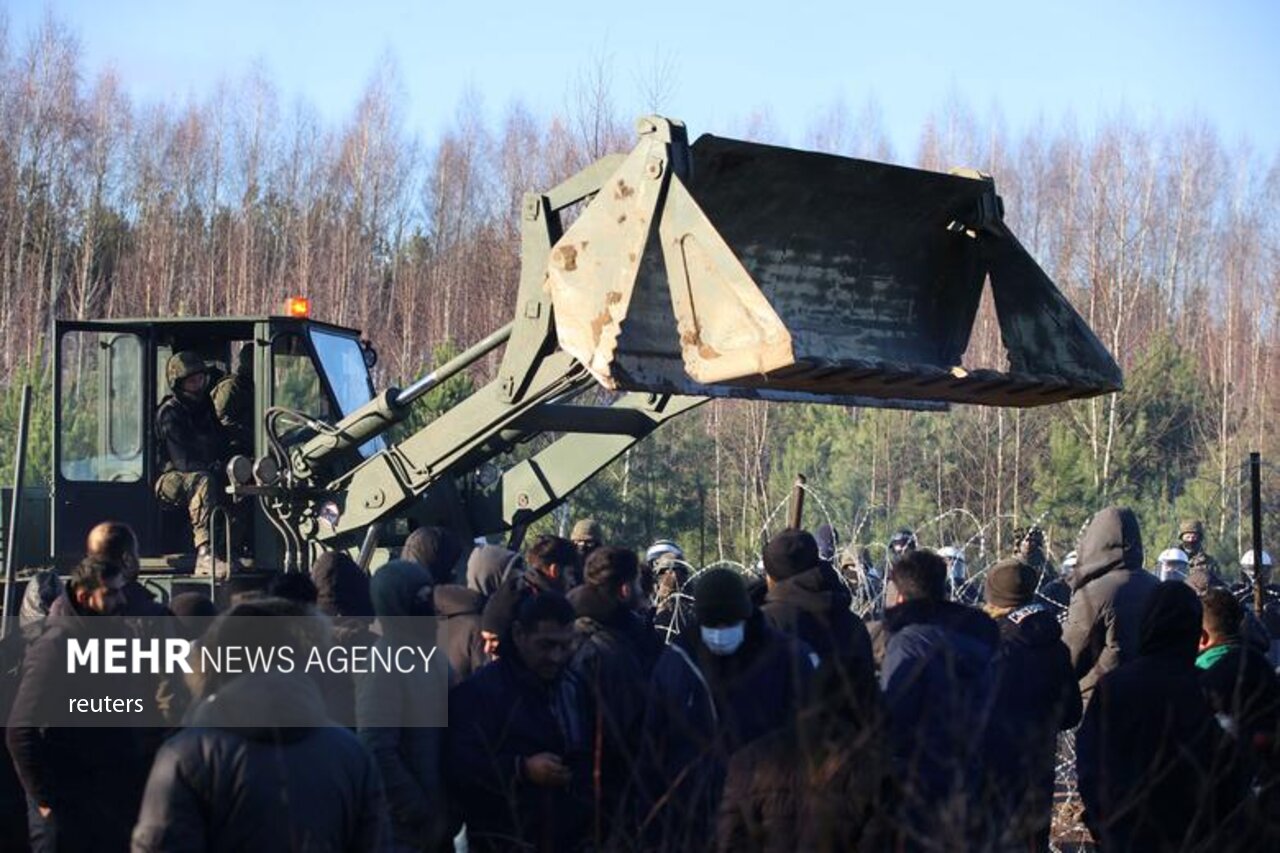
604 699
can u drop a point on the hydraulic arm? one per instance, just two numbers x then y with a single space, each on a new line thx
725 268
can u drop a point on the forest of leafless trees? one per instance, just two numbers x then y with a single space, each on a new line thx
1165 236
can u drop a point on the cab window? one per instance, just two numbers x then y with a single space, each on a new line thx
295 382
101 407
348 376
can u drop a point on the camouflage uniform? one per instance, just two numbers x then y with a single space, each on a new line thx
232 400
1202 569
192 447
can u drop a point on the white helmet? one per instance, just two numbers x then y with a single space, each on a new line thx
1173 564
663 550
1246 559
957 568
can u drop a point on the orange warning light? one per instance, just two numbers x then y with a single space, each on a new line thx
298 306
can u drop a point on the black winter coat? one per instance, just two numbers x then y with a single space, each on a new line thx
1036 696
807 607
1241 685
1110 592
1150 759
499 716
702 708
614 653
938 688
819 784
92 778
218 786
1262 631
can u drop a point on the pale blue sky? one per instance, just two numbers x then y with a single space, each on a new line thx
1155 60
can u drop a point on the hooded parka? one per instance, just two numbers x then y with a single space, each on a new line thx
1110 591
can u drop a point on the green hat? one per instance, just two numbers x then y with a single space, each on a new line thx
587 528
1191 525
720 598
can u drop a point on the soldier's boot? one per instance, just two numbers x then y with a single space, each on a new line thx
207 564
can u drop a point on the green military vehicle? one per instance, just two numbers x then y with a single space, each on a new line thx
690 271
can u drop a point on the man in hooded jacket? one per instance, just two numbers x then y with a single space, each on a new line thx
260 765
1109 592
436 550
459 609
1152 770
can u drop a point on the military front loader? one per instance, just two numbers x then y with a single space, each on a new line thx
721 268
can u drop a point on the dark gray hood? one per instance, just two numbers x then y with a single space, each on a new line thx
1171 622
487 567
1112 541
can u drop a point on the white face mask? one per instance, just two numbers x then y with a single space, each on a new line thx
724 641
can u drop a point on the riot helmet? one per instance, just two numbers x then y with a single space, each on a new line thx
1247 564
957 568
1173 564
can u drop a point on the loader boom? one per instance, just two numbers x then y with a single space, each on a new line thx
724 268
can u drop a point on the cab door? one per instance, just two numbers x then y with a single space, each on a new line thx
102 466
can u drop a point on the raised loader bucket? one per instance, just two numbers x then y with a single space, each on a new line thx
728 268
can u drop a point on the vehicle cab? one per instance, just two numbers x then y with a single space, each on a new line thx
110 381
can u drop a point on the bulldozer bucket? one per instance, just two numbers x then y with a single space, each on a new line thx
729 268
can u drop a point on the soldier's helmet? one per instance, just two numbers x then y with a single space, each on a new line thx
181 365
1191 525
